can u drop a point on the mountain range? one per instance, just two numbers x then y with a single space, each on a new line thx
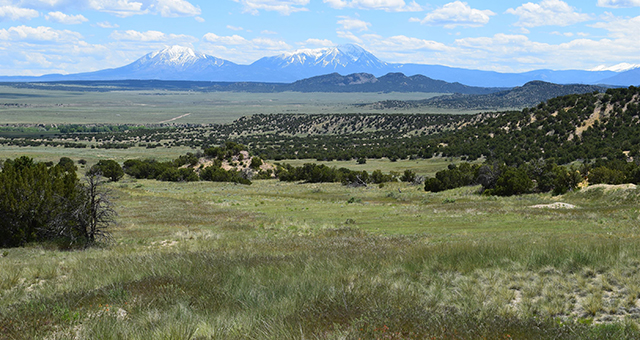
334 82
182 63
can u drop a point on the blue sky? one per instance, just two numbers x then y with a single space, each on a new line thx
69 36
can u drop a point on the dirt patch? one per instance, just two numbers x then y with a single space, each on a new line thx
556 205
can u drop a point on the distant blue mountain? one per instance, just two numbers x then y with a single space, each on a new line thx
627 78
181 63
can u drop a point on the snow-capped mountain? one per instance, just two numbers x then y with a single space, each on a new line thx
171 63
344 59
178 57
338 57
182 63
175 63
622 67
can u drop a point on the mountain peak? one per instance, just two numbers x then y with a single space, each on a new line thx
176 55
349 56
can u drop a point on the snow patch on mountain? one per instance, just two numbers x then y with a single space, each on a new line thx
178 57
622 67
341 56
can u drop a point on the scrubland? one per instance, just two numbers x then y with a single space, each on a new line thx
280 260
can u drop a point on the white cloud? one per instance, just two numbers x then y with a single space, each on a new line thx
566 34
240 49
228 40
17 13
66 19
456 14
621 27
402 43
120 8
176 8
151 36
547 13
268 32
317 43
284 7
349 23
579 53
106 24
39 34
349 36
619 3
263 43
385 5
234 28
270 44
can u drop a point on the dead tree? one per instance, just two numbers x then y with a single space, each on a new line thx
98 214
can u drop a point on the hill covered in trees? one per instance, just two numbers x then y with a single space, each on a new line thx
527 95
585 126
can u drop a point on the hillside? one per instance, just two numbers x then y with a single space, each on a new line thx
391 82
529 95
567 128
586 126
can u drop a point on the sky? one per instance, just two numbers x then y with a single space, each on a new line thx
70 36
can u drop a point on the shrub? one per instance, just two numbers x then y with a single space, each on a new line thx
109 169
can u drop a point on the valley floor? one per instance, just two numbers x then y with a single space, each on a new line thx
281 260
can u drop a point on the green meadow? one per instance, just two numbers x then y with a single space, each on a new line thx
278 260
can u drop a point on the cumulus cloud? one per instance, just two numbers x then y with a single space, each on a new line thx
284 7
264 43
151 36
400 43
621 28
240 49
385 5
349 23
121 8
39 34
17 13
456 14
547 13
66 19
317 43
106 24
349 36
225 40
619 3
176 8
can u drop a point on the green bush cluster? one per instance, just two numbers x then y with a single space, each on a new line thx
175 171
314 173
40 202
502 180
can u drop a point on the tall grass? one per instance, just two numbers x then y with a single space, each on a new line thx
231 271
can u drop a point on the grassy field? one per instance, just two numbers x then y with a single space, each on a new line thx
153 107
321 261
